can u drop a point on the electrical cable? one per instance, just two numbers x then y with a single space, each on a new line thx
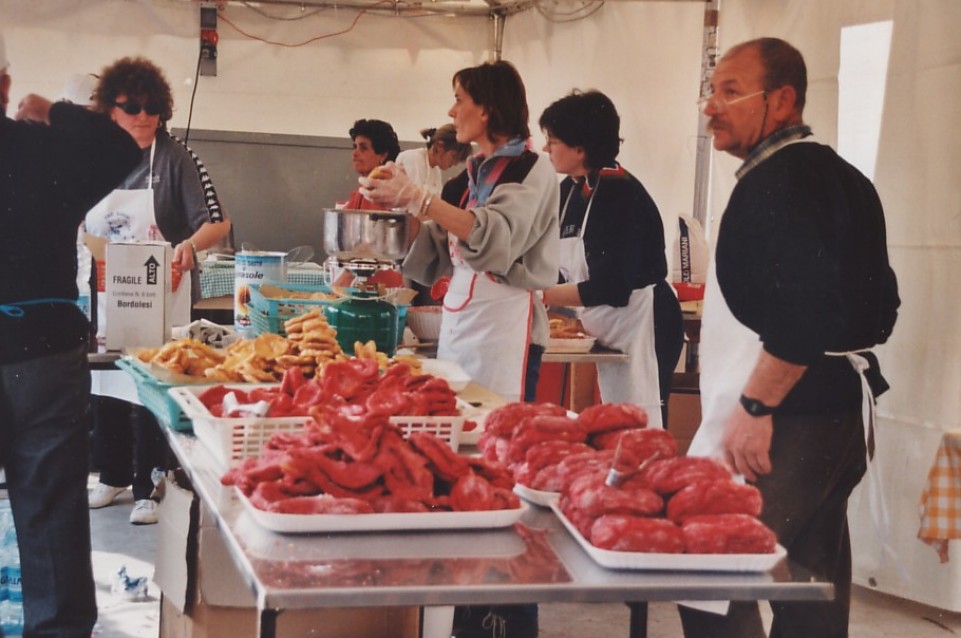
553 15
302 15
309 40
193 94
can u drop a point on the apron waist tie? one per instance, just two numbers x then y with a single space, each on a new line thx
860 365
15 310
877 505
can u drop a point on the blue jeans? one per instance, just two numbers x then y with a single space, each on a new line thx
44 449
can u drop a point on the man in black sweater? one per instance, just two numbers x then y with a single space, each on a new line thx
56 161
801 288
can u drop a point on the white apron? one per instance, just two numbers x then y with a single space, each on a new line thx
729 351
486 328
123 215
629 329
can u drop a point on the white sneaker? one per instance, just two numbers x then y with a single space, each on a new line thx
144 512
103 495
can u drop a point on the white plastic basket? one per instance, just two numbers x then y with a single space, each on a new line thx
232 439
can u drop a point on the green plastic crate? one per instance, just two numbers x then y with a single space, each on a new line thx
154 396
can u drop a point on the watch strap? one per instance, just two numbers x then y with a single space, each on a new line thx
755 407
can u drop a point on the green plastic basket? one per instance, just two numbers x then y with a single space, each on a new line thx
154 396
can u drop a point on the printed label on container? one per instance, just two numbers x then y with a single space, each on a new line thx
254 267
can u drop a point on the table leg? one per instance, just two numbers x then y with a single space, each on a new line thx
268 623
436 621
638 619
583 380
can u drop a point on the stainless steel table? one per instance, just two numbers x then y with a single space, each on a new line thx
536 561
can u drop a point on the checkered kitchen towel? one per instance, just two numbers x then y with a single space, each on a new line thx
217 278
941 499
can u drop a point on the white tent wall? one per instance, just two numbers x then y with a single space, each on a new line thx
392 68
645 56
918 176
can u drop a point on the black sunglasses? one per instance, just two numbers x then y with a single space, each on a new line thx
133 107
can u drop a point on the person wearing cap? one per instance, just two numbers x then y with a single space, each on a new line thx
80 89
56 161
442 152
169 196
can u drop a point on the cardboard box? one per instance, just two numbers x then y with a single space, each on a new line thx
138 294
204 595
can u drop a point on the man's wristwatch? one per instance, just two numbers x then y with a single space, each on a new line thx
755 407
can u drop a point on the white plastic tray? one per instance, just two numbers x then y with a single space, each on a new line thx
232 439
570 345
450 371
673 562
308 523
495 544
537 497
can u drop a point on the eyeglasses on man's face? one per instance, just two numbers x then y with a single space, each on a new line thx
133 107
726 98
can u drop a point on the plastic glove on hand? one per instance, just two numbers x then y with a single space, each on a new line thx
389 186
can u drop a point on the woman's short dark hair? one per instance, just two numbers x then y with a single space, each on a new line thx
446 135
497 87
381 136
136 78
588 120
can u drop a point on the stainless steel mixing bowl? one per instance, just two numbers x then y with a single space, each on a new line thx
366 235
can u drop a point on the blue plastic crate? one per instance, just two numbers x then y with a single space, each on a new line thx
269 315
154 396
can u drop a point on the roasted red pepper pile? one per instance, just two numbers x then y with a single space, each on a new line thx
351 459
353 383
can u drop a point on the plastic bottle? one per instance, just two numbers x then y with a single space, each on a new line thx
11 592
128 588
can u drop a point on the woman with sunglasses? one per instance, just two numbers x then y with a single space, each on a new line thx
168 197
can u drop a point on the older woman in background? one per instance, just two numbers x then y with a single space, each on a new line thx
170 197
425 166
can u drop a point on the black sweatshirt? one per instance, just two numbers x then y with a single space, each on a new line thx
50 176
802 260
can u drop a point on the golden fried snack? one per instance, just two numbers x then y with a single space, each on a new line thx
183 356
269 345
566 328
295 324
